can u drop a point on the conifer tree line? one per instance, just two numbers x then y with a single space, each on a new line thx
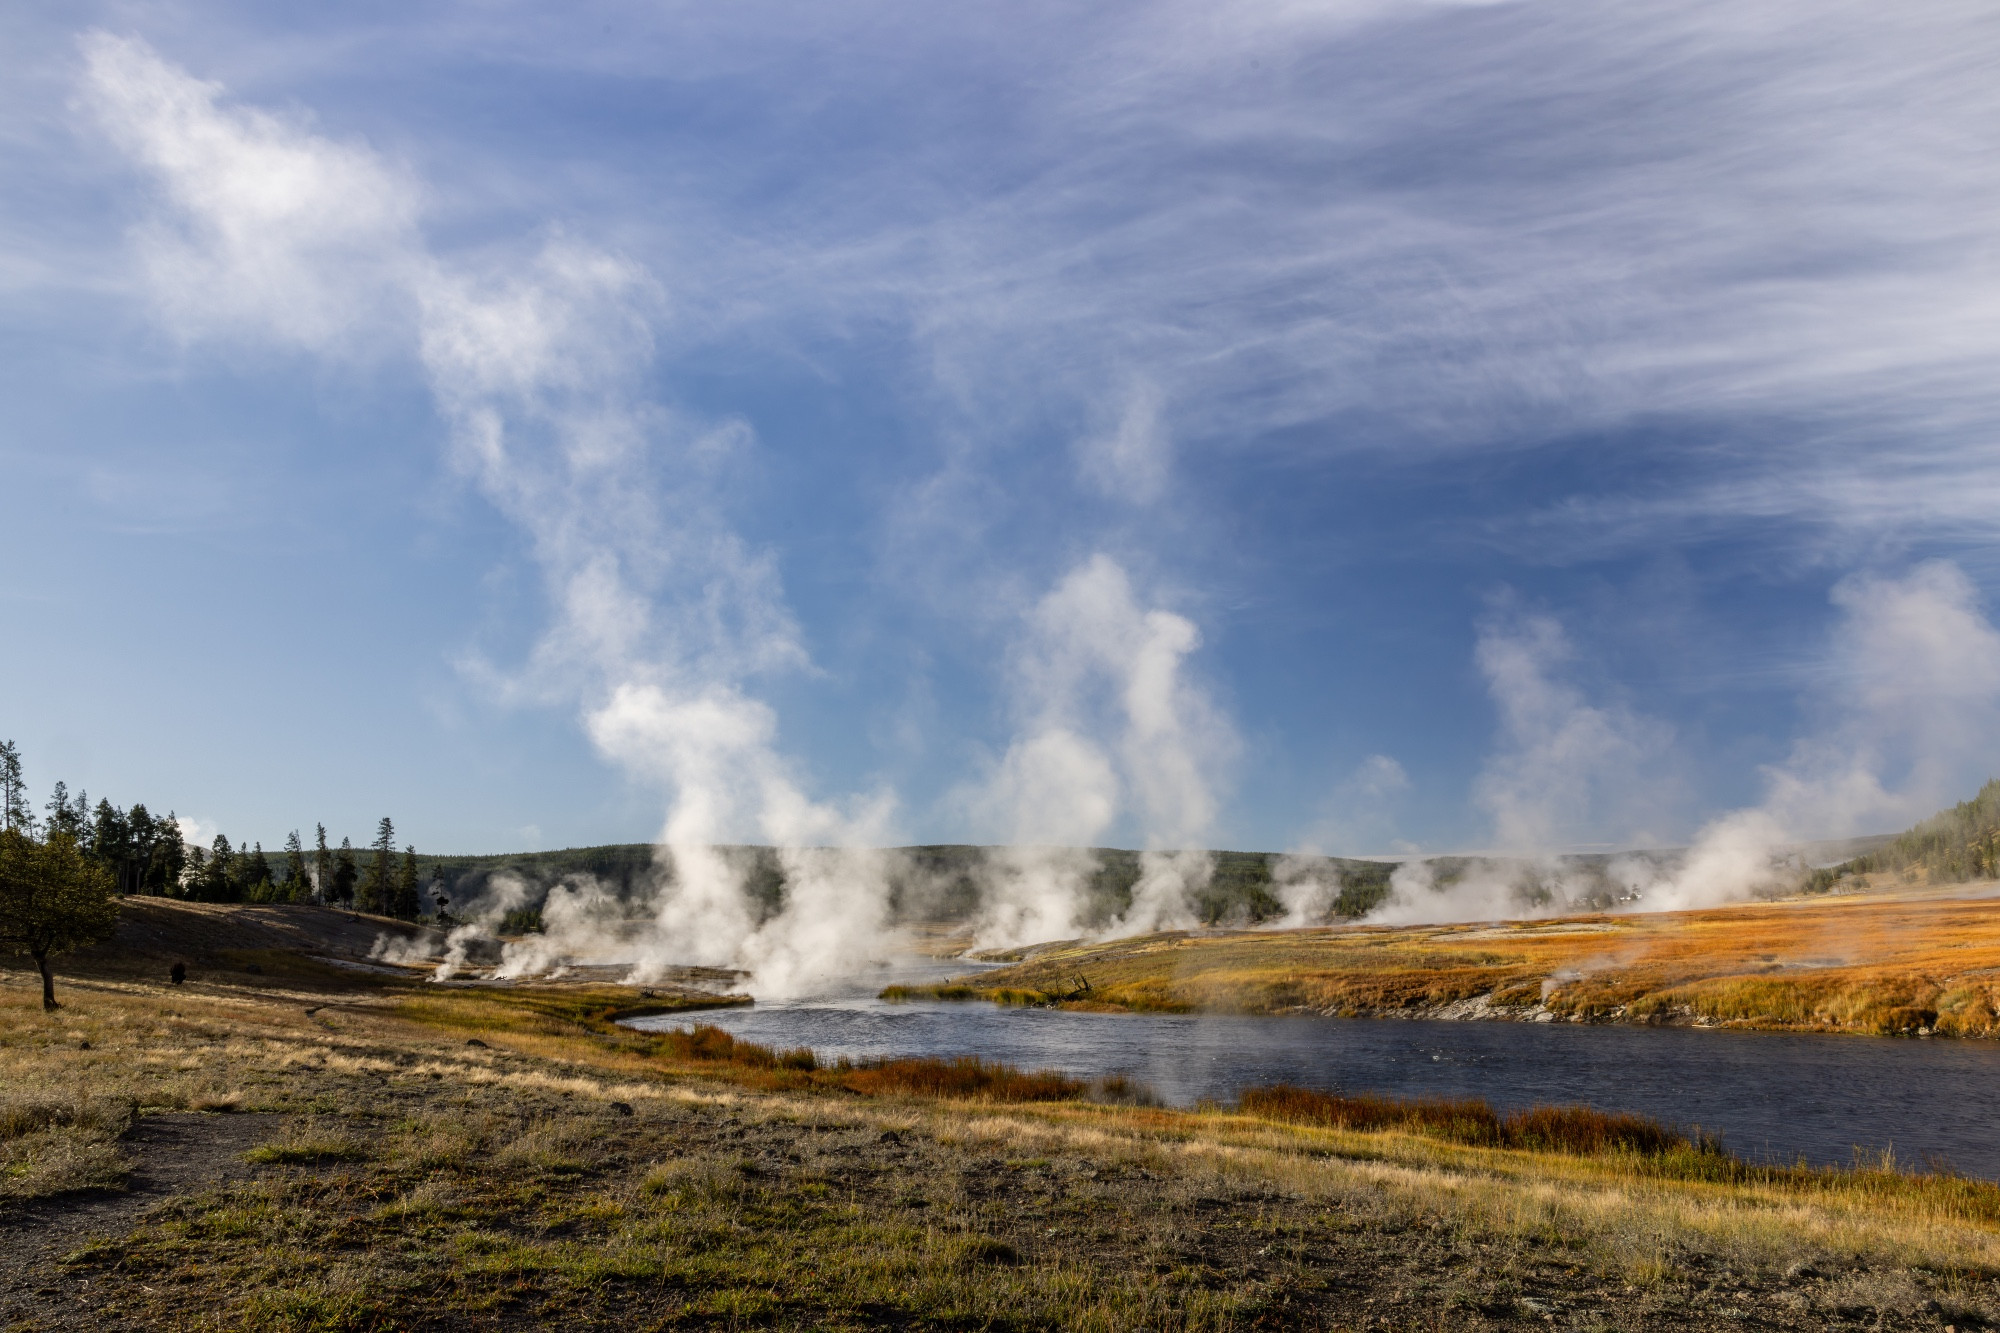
144 853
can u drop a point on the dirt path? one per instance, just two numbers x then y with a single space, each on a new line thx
173 1155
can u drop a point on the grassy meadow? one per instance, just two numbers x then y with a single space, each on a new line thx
412 1156
1901 961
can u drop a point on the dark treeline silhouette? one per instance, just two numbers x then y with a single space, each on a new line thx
144 853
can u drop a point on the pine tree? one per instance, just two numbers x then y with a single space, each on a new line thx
295 869
378 886
409 902
111 843
344 874
322 865
167 874
218 879
255 874
142 838
14 812
64 817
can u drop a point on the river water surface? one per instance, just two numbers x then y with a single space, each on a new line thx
1773 1096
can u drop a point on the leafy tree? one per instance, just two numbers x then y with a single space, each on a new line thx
378 886
14 812
322 865
296 888
344 873
52 899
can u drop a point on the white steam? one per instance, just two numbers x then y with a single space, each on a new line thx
1907 719
1566 768
662 616
268 230
1308 887
1909 722
1110 726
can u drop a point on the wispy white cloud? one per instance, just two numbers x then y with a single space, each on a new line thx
272 227
1430 226
1134 239
1449 227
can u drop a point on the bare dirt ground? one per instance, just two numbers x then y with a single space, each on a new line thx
172 1154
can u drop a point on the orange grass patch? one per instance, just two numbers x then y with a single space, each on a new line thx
1885 963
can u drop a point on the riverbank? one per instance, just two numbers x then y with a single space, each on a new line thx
1907 962
366 1153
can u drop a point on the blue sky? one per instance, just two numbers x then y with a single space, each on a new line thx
1357 426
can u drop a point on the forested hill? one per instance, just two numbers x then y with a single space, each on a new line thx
933 883
1948 848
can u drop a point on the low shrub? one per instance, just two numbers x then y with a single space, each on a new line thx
1006 996
1121 1090
1466 1121
960 1076
1903 1019
1573 1129
1584 1129
705 1042
924 1076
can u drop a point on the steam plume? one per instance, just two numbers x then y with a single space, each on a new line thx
1110 726
661 614
1907 715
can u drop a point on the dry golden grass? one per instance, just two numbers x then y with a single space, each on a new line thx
563 1169
1881 962
295 1063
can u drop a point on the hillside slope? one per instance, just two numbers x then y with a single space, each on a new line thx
1951 847
928 884
237 939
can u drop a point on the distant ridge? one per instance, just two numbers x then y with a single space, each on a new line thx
930 883
940 883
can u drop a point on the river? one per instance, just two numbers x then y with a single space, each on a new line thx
1772 1096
